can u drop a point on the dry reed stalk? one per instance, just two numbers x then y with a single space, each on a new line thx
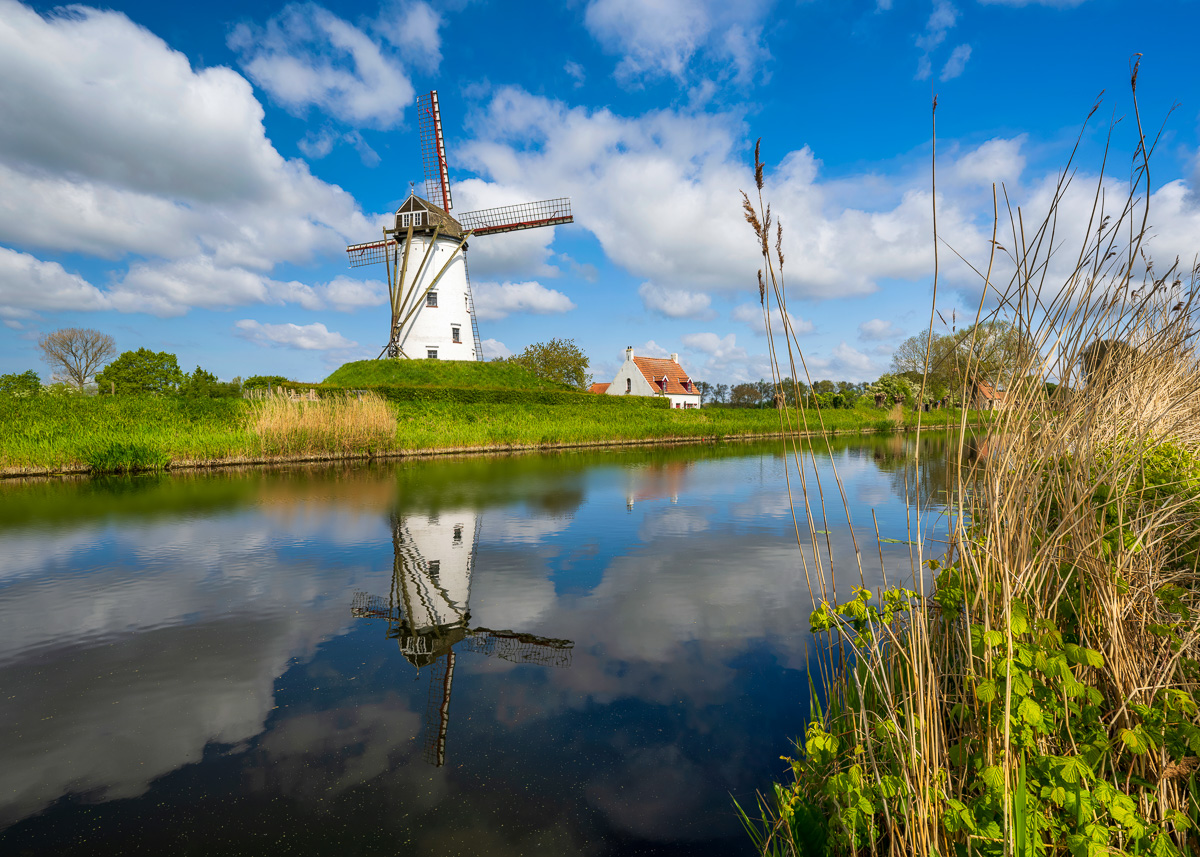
1028 532
337 425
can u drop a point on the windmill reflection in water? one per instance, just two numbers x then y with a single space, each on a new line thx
427 613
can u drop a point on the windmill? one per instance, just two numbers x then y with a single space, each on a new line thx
427 614
425 254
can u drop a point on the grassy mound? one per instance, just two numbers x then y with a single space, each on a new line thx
438 373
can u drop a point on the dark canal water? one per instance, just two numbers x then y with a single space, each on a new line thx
582 653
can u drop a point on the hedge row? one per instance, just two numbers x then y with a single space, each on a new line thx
488 396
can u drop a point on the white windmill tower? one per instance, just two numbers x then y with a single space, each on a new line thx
425 255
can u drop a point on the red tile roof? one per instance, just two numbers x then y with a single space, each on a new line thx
655 368
989 392
599 388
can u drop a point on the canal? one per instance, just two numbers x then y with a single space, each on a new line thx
588 652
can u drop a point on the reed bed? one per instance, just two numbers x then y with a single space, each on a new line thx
339 425
1034 690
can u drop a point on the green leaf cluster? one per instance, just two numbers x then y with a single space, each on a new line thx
141 371
20 384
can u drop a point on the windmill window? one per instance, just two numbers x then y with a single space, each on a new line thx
455 335
431 353
435 569
458 532
418 218
431 299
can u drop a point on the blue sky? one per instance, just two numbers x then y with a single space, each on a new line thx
185 176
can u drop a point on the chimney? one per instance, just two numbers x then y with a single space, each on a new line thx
674 358
629 353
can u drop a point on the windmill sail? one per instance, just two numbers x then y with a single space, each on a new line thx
370 252
433 150
510 218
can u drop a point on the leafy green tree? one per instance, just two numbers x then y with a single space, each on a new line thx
205 385
721 393
141 371
892 388
262 382
23 384
557 360
705 390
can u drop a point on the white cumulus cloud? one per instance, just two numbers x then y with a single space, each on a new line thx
346 295
304 337
29 284
675 303
414 28
177 168
660 193
657 38
999 160
752 315
498 300
877 330
493 348
171 288
308 57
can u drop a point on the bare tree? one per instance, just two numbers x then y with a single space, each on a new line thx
75 354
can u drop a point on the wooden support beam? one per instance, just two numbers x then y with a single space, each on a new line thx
417 305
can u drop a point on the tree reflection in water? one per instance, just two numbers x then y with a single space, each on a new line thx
428 613
932 482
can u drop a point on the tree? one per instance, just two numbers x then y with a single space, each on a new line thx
766 391
557 360
744 395
75 353
992 351
891 390
705 390
720 393
1105 359
263 382
24 384
141 371
205 385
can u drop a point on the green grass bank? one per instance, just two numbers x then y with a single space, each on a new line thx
464 374
111 434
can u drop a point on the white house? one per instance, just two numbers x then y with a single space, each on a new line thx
654 376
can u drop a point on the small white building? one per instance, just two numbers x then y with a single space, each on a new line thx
654 376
